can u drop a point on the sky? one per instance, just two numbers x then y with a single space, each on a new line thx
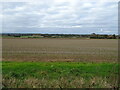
60 17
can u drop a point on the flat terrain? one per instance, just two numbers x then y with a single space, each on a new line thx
60 63
70 50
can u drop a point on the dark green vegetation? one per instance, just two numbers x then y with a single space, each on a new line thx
80 36
59 74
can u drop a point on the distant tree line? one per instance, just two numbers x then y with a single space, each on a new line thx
98 36
91 36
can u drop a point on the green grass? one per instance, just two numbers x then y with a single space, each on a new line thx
58 74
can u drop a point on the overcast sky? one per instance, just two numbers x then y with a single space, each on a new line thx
60 16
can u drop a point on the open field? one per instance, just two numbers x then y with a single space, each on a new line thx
60 63
70 50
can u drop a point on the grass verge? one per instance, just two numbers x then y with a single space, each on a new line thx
59 75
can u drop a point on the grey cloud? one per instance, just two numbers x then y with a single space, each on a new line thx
51 16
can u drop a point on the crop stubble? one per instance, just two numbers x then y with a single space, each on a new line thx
65 50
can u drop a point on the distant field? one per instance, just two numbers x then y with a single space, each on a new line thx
70 50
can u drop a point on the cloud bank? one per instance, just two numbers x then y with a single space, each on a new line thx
60 16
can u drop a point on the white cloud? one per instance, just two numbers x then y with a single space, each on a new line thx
66 14
56 0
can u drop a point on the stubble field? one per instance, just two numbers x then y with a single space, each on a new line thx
60 63
71 50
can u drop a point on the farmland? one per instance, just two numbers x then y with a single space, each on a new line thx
60 63
71 50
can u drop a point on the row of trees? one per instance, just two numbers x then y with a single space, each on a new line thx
98 36
91 36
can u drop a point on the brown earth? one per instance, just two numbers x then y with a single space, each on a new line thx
69 50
